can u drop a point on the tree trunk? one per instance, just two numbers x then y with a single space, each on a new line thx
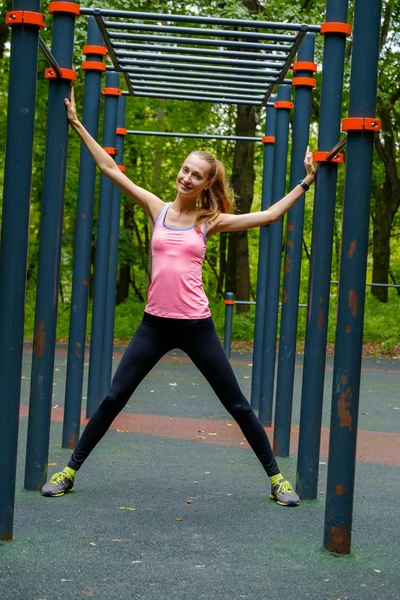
381 249
124 277
243 176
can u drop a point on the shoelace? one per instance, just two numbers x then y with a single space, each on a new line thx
58 477
285 487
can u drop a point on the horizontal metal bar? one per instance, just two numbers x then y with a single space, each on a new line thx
197 99
213 33
205 136
192 86
254 303
388 285
193 51
199 60
195 91
49 57
173 39
123 63
184 75
200 20
175 81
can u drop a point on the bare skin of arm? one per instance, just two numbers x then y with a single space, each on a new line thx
150 203
227 222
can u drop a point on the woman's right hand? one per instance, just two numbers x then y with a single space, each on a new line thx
71 108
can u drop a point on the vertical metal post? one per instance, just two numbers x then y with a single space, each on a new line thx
229 304
292 268
102 252
274 256
321 256
82 245
113 256
14 245
41 394
268 175
353 263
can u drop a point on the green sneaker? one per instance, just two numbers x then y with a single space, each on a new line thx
58 485
284 494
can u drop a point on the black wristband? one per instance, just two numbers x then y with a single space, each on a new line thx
304 185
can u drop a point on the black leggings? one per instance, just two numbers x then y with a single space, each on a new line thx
155 337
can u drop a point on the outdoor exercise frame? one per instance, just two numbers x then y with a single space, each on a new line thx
244 69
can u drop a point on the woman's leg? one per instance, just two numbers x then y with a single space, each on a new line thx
204 347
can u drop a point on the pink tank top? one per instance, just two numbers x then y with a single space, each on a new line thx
176 290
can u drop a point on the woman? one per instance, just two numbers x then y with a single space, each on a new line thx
177 313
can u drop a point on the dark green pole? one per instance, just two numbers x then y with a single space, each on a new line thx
113 255
303 83
268 175
14 247
321 252
82 241
353 264
41 394
229 304
274 259
102 250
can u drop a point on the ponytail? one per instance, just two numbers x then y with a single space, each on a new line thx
217 198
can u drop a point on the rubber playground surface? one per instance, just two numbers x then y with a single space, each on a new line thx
173 504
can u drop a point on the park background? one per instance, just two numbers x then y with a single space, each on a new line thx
231 260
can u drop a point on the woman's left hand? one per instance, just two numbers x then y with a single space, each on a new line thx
308 163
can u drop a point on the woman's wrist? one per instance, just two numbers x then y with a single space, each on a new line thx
309 178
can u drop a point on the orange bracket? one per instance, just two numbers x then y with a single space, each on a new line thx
361 124
69 74
88 65
111 92
121 131
268 139
229 302
122 168
322 157
64 7
307 81
25 17
283 104
111 151
305 66
94 50
332 27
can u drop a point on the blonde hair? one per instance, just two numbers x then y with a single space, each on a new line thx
217 198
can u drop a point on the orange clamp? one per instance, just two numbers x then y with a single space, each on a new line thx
322 157
111 92
268 139
111 151
122 168
308 81
332 27
89 65
25 17
69 74
305 66
94 50
229 302
64 7
361 124
121 131
283 104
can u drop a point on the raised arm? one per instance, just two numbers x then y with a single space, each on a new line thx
227 222
148 201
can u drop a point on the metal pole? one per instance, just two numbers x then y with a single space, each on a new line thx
353 263
82 246
229 304
113 256
268 175
41 394
14 246
321 256
274 256
102 253
293 249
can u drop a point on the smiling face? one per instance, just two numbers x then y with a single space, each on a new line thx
193 177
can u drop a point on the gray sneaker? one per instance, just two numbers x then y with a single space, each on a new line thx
283 493
58 485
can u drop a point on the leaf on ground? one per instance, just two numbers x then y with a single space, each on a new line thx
207 473
322 463
135 562
173 384
246 377
122 430
55 406
127 508
92 543
189 501
178 519
66 580
213 434
377 571
121 540
396 408
229 425
195 482
200 430
52 464
201 437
